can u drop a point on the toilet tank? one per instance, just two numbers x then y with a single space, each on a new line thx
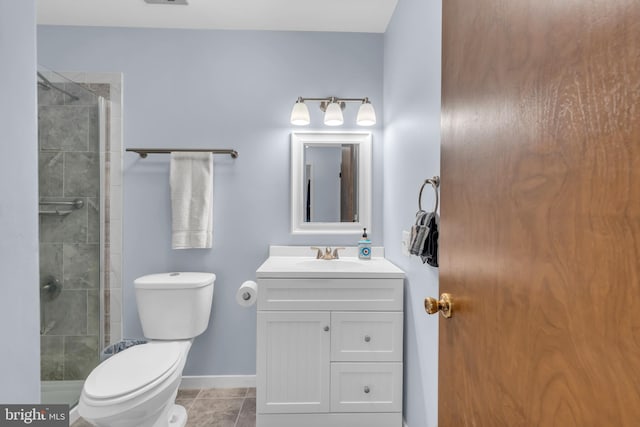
174 306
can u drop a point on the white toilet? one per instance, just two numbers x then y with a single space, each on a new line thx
137 387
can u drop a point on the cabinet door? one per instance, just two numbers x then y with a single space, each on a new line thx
293 362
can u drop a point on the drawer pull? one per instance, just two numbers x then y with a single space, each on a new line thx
367 338
326 329
367 389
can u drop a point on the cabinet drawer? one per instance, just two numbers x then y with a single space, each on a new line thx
366 387
366 337
330 294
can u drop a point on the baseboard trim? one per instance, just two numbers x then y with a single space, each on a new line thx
73 415
217 381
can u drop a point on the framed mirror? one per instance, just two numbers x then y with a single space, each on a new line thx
330 182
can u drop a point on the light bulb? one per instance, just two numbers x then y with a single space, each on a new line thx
333 115
300 114
366 114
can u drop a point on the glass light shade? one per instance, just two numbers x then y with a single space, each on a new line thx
366 115
300 114
333 115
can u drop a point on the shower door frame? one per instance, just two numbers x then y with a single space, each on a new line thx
110 202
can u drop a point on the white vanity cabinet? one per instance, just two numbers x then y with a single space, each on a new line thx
329 347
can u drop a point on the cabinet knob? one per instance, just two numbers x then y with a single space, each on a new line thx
367 389
326 329
367 338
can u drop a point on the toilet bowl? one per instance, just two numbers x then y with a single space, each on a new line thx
138 386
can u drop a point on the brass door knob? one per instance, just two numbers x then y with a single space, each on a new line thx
444 306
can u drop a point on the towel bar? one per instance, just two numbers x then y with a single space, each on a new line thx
75 204
144 151
56 212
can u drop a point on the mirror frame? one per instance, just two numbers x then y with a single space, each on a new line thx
298 142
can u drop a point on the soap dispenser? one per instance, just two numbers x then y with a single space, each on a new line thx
364 246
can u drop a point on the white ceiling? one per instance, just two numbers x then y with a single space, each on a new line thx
370 16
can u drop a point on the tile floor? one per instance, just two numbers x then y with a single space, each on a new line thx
215 407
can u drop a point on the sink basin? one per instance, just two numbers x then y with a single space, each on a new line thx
330 265
300 262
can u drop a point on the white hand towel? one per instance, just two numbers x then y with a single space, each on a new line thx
191 180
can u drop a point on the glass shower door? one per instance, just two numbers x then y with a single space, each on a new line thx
70 135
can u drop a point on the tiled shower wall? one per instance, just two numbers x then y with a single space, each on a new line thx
83 249
69 169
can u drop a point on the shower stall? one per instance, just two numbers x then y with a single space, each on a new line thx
78 287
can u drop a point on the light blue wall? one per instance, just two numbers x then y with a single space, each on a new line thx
412 154
19 315
225 89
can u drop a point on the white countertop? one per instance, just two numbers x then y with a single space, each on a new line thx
300 262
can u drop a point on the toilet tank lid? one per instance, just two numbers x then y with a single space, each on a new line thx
176 280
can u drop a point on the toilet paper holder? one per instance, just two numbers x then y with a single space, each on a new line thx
247 293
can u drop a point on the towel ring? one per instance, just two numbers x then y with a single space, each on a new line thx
435 183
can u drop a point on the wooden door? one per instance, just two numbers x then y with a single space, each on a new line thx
349 183
540 228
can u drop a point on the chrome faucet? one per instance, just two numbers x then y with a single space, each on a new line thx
327 253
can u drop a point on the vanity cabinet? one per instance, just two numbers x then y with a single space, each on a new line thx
329 349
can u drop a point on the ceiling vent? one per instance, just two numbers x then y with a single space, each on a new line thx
184 2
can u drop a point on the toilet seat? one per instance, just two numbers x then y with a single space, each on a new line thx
132 372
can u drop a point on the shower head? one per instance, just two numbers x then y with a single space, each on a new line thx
45 83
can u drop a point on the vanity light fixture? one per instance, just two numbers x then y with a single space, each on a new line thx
366 114
333 113
300 114
332 107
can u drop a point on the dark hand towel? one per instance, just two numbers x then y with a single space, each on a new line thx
430 252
